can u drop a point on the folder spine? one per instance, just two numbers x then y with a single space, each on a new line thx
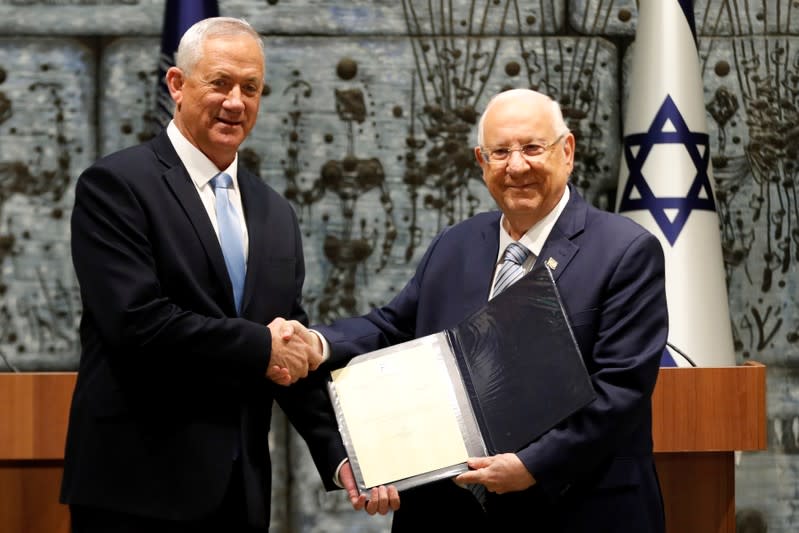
465 375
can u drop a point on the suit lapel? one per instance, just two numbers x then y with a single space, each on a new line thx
559 248
480 261
485 258
255 218
178 181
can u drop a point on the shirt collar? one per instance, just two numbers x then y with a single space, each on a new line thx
536 236
201 170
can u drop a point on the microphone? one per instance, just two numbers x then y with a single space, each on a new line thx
682 354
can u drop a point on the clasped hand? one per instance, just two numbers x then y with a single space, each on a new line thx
381 500
295 351
498 473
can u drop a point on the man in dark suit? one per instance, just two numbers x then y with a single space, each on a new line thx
595 471
179 369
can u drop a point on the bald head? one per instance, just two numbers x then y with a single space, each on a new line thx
524 97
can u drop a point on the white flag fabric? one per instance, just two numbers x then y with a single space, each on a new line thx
666 181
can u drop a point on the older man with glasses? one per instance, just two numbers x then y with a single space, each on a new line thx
595 471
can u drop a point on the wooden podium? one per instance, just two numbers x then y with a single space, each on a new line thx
701 417
34 408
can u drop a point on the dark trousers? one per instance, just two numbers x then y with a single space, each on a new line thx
441 506
230 517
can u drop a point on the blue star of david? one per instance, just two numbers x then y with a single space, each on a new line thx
657 206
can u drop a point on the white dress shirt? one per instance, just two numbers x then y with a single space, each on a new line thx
533 240
201 171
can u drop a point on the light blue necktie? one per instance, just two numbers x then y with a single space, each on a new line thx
512 269
230 236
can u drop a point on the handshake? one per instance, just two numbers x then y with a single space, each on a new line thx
296 350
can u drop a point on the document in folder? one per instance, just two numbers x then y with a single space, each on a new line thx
413 413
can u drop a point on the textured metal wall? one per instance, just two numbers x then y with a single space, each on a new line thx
367 124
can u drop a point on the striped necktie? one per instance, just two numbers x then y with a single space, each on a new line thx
512 269
230 237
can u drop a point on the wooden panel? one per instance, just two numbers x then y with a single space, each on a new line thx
693 409
710 409
34 409
29 497
698 491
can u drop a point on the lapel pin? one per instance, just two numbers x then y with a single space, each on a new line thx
552 263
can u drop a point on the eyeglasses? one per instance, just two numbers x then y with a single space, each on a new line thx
531 151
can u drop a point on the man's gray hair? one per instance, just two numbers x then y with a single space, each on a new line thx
558 121
190 48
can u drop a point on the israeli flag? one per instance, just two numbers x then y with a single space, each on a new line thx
179 16
666 181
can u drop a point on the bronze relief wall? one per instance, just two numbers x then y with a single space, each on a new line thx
368 120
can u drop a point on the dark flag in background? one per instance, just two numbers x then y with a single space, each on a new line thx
179 15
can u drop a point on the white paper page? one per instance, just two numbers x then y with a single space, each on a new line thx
401 414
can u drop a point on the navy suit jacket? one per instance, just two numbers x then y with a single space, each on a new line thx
610 274
171 383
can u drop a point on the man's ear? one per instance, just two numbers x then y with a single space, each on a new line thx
174 82
481 160
478 155
568 147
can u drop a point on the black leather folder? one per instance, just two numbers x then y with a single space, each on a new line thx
520 363
515 371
